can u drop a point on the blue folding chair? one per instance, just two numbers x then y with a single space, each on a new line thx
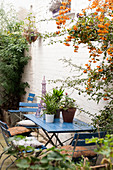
16 130
18 115
6 134
79 147
30 97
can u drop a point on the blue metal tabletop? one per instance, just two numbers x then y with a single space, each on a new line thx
59 126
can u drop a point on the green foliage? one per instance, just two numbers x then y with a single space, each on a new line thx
50 104
67 102
104 147
58 94
12 60
83 164
93 28
50 159
104 119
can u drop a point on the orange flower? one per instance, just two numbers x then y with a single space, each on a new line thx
101 26
107 24
99 52
68 39
105 98
87 27
94 61
87 88
95 13
98 66
85 71
83 10
106 94
100 70
69 36
90 61
76 46
104 78
75 50
57 32
89 68
74 27
86 64
58 27
61 7
89 79
80 14
67 44
57 23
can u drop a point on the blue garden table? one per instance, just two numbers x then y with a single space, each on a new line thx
59 127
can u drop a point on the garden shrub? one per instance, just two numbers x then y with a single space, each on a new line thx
12 59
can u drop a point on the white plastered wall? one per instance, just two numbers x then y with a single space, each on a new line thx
45 61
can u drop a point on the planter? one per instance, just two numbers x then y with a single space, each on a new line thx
49 118
31 36
68 115
31 39
57 115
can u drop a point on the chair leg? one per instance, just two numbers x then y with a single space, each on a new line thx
2 154
4 161
11 164
1 145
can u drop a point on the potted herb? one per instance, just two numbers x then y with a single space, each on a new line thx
50 106
68 108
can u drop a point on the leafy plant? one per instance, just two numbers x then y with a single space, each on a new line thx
58 94
50 104
67 102
12 60
53 159
49 159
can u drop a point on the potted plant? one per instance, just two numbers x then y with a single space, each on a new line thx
57 94
68 108
50 106
30 31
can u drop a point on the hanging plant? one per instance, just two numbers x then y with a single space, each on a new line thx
31 35
30 31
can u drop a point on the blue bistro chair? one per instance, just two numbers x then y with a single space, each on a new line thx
31 141
16 130
28 108
79 147
30 97
23 109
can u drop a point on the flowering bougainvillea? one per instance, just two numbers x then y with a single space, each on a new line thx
94 28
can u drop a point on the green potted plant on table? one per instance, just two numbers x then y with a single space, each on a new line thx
50 106
57 95
68 108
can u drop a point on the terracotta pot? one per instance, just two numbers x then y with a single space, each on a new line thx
57 115
68 115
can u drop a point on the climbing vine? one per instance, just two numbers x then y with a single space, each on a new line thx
94 29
